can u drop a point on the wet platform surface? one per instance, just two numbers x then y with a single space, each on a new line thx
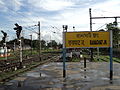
49 77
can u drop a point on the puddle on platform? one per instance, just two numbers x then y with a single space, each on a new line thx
105 78
78 76
59 64
75 69
43 75
36 74
57 85
9 83
44 66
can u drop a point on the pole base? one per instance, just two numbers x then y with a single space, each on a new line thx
64 73
111 75
20 66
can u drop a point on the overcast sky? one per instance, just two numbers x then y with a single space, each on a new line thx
54 13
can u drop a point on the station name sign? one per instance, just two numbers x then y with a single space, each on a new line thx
87 39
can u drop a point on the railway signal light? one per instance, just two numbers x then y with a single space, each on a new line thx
4 37
18 30
65 27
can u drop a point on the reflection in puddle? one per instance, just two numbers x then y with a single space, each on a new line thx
43 75
105 78
77 76
35 74
44 66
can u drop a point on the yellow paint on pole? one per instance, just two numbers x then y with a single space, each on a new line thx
87 39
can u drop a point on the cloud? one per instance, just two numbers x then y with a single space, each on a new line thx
51 5
13 4
17 5
59 12
2 6
10 5
105 9
1 2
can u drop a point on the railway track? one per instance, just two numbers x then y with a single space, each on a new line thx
12 65
108 61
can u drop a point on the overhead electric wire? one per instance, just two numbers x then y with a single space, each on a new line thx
20 14
101 26
102 10
26 9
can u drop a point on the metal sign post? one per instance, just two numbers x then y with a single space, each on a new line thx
64 60
111 53
64 49
64 55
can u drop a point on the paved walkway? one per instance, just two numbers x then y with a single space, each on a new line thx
49 77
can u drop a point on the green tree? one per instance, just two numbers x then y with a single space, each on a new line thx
35 44
43 43
116 33
52 44
60 45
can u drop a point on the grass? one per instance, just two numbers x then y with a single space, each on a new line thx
1 58
105 58
15 55
75 59
101 58
9 74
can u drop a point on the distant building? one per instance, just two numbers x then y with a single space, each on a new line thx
4 52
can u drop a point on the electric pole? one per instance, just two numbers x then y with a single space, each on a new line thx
91 50
39 37
31 43
90 19
111 38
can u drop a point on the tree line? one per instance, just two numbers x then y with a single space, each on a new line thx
34 43
116 33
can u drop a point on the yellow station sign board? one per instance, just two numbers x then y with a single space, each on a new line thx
87 39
